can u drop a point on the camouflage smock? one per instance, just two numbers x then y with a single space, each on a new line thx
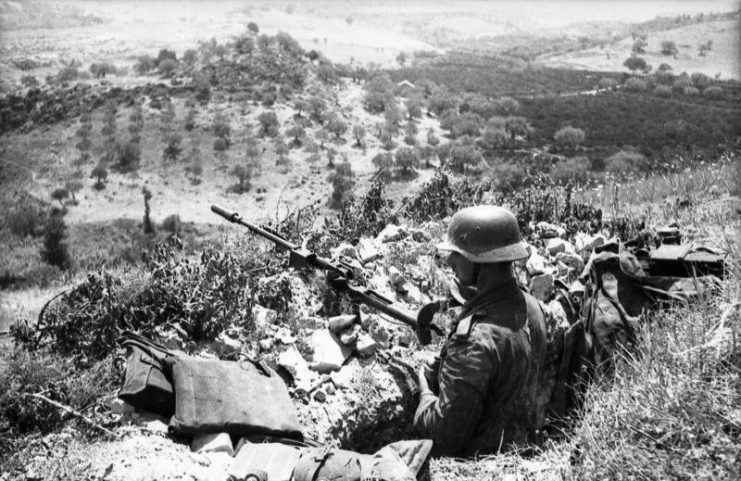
488 377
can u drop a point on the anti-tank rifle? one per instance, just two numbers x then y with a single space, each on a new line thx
339 276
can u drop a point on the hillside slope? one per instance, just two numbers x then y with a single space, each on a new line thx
723 59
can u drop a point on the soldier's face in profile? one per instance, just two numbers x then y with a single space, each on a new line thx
463 269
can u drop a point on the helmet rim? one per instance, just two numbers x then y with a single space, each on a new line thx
508 253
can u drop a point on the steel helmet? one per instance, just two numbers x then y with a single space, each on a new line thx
485 234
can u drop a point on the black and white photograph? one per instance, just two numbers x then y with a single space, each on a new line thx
351 240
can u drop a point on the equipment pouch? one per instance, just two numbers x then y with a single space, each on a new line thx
146 386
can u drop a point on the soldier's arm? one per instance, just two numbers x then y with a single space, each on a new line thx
450 418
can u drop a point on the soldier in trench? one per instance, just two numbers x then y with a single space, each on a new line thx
479 395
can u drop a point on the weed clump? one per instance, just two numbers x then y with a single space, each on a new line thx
202 297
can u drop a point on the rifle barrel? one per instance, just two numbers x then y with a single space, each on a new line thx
237 219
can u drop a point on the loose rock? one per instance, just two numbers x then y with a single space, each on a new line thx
536 264
391 233
541 286
365 345
264 317
329 352
556 245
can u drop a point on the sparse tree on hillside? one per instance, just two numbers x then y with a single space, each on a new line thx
494 139
637 63
253 28
298 133
700 80
569 137
73 186
300 105
392 114
221 51
269 123
669 48
59 195
172 147
384 161
322 136
401 58
168 67
463 156
337 126
144 65
318 107
639 46
100 174
189 57
517 126
705 48
414 106
387 140
406 160
244 175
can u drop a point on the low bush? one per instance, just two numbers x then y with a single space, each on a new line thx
201 296
572 170
67 74
714 92
172 224
625 162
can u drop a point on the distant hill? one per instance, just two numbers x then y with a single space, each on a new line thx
724 58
